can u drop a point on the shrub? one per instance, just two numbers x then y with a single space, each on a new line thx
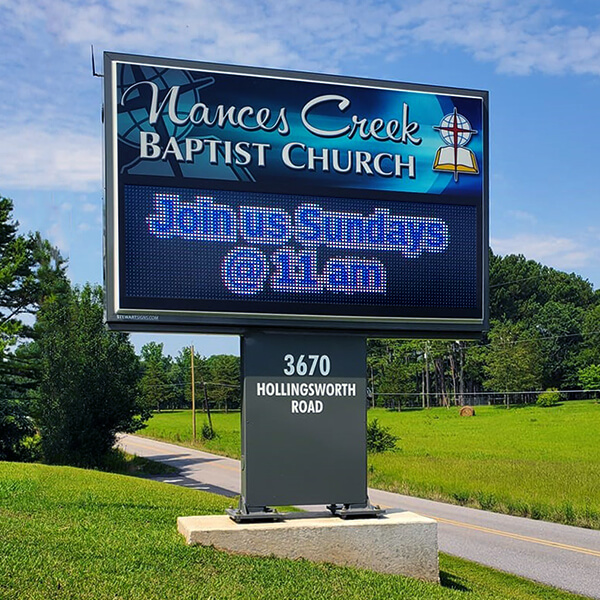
589 377
548 398
379 438
88 380
15 428
208 433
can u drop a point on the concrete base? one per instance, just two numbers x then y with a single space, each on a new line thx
401 543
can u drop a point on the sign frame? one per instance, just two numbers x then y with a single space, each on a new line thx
174 321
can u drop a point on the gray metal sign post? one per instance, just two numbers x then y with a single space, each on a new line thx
303 424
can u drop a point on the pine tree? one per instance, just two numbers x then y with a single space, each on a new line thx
89 380
29 268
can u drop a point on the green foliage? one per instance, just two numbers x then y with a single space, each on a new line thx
223 374
544 328
559 328
392 366
519 287
73 534
156 389
119 461
18 283
181 376
513 360
379 438
16 429
551 397
89 380
207 432
589 377
29 268
590 347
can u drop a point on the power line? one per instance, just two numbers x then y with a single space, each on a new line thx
516 281
482 393
207 383
523 341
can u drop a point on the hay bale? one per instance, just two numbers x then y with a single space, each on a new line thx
467 411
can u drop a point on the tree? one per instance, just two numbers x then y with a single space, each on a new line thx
513 360
559 326
519 287
88 380
181 376
392 368
590 330
29 268
224 380
15 427
155 386
589 377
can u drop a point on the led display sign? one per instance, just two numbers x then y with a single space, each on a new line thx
241 197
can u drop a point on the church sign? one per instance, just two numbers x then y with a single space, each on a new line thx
240 197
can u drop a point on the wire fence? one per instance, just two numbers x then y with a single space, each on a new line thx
399 401
417 400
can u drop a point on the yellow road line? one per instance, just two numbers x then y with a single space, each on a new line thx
514 536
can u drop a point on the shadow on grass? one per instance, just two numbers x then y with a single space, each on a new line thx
453 582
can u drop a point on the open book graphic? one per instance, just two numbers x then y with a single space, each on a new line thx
465 160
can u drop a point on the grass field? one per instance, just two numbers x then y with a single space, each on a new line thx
176 426
536 462
70 534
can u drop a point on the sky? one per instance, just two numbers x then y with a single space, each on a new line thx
539 60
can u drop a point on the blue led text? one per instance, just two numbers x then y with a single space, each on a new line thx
247 270
295 271
380 231
352 275
244 270
201 220
265 225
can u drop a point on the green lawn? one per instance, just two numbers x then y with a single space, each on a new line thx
176 426
72 534
537 462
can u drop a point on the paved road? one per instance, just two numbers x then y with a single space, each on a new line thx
561 556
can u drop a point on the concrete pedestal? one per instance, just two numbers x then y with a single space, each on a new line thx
401 543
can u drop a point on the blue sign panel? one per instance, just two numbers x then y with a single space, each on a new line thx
242 197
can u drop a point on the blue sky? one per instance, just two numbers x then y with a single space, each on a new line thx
540 61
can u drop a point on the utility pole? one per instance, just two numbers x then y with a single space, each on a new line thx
193 395
427 377
372 388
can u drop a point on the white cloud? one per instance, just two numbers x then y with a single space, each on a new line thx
57 236
89 207
84 227
560 252
34 158
49 100
523 216
517 36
